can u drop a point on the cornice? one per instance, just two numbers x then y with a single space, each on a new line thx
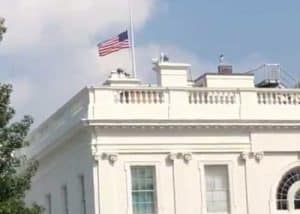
222 124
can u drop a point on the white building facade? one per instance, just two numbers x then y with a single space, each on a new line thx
214 145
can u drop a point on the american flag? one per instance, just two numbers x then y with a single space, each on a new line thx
114 44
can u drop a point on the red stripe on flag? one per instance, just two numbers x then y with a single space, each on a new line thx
112 45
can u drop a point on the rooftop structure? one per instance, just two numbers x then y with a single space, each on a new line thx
221 125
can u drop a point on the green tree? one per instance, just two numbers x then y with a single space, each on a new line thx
14 178
2 27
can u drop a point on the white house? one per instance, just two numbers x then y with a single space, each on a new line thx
215 145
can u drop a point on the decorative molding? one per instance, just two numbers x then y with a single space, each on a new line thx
94 149
97 158
111 157
179 155
171 156
244 156
204 124
186 157
258 156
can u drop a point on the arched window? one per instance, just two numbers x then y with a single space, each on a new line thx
282 196
297 200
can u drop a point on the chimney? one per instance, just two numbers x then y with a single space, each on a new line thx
225 69
222 68
225 78
170 74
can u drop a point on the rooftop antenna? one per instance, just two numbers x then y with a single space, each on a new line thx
221 59
224 68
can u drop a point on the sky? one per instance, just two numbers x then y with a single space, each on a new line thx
49 52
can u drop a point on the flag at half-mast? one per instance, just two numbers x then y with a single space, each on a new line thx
114 44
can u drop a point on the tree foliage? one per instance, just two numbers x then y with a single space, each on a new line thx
14 179
2 27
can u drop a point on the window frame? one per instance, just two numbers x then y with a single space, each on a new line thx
48 198
287 182
158 196
229 164
65 199
291 197
82 190
297 199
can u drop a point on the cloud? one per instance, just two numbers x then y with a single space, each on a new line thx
199 65
42 93
51 46
175 54
22 91
70 22
54 81
250 62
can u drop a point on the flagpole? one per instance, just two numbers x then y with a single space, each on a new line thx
133 62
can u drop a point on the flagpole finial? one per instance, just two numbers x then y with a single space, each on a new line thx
221 59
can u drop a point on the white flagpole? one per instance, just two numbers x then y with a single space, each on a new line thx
133 63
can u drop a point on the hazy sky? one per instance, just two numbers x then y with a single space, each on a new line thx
49 52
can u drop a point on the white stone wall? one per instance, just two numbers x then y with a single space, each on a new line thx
63 166
256 161
253 177
180 185
255 132
263 179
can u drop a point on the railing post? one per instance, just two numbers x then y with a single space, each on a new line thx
248 103
239 101
169 102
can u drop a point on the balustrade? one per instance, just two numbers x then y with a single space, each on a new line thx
212 97
278 98
170 103
133 96
229 97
